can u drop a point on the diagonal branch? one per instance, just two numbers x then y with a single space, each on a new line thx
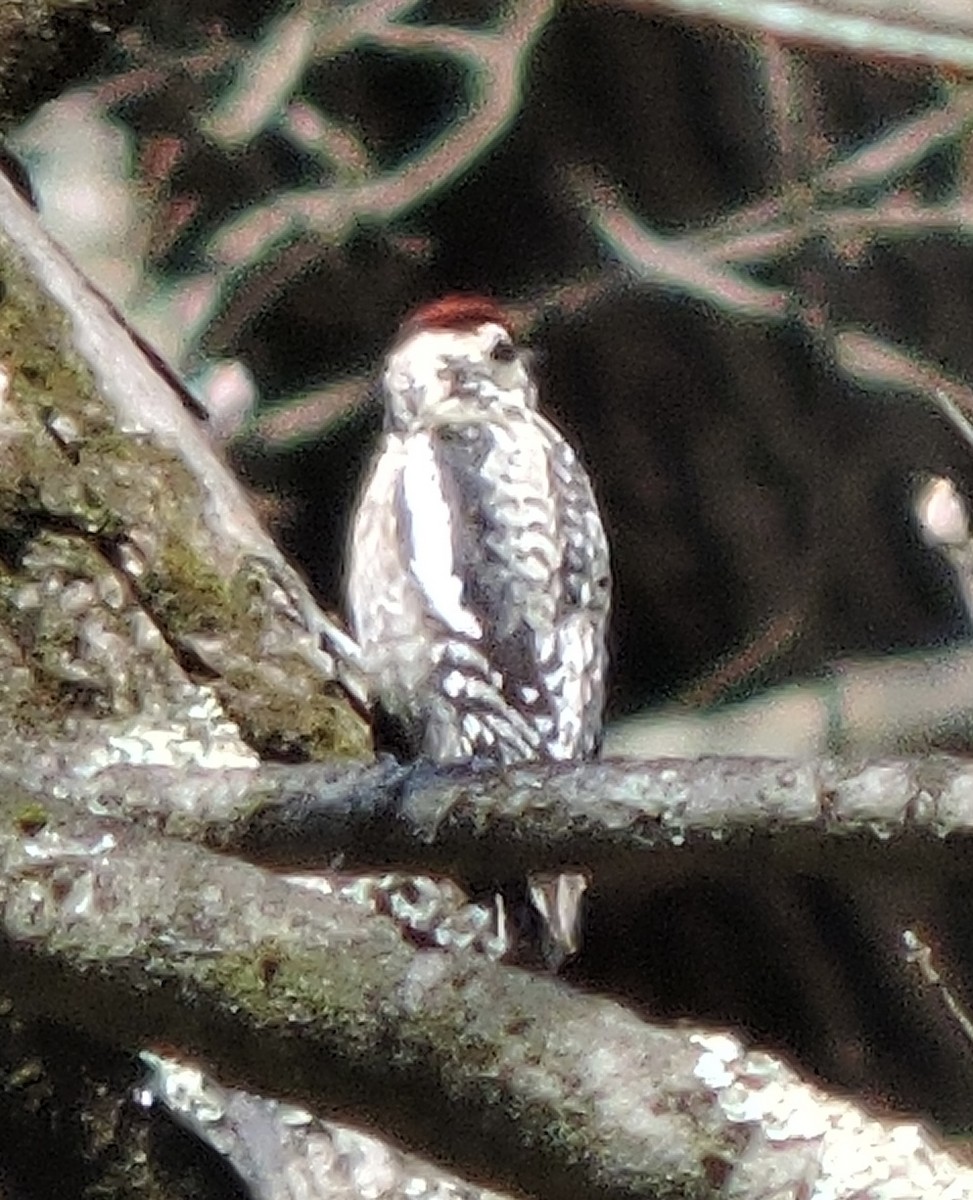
134 577
938 32
512 1078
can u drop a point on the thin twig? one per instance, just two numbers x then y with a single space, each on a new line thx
871 360
675 262
920 954
497 61
940 34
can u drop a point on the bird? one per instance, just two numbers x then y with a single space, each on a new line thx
479 582
478 585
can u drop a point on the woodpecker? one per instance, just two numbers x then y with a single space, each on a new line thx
478 585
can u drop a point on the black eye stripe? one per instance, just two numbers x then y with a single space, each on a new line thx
504 352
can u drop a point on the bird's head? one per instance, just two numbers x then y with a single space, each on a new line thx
455 361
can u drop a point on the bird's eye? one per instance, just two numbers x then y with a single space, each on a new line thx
504 351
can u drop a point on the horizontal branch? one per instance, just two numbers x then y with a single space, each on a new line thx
620 820
508 1077
868 707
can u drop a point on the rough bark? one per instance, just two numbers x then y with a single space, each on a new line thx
136 585
515 1078
623 821
49 44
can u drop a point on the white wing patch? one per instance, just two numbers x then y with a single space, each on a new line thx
431 549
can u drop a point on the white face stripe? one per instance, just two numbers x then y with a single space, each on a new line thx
419 389
430 532
421 354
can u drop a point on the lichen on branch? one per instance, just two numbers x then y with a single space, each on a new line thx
135 582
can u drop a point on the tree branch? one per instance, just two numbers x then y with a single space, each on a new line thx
625 822
514 1078
135 580
938 32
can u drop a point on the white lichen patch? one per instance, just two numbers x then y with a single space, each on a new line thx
426 974
176 746
719 1052
281 1148
852 1154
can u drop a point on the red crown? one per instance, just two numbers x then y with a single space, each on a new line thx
459 311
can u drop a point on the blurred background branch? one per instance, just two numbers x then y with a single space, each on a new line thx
940 32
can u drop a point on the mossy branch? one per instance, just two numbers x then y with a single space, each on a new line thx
625 822
135 581
511 1077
